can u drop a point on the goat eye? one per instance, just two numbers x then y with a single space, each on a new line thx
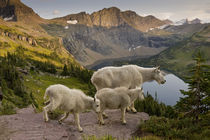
97 105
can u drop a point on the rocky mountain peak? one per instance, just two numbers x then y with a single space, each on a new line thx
15 10
113 17
107 17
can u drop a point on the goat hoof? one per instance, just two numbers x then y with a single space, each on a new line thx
105 116
60 122
123 123
81 130
134 111
101 123
46 120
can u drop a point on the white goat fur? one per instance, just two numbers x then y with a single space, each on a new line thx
69 100
118 98
130 76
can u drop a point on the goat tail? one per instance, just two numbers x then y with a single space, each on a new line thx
46 94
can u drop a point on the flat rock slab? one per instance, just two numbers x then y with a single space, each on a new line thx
27 125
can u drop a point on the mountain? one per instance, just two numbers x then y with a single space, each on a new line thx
20 26
195 21
186 21
15 10
109 17
90 44
109 33
179 58
181 22
185 29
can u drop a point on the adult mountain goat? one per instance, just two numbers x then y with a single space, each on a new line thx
117 98
130 76
69 100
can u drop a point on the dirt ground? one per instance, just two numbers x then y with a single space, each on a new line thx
27 125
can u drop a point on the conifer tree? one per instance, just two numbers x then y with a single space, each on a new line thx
196 100
65 71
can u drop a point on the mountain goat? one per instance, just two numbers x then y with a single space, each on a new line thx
69 100
118 98
130 76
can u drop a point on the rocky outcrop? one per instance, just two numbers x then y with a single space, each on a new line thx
29 125
113 17
14 36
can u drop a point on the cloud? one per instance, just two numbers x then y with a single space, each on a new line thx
56 12
207 11
163 15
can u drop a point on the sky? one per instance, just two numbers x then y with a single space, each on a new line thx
163 9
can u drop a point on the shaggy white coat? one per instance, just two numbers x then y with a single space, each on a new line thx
69 100
118 98
130 76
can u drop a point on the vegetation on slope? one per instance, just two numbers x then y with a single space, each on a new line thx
24 81
25 56
191 120
179 58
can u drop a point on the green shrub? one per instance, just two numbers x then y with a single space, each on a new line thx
153 107
175 128
7 108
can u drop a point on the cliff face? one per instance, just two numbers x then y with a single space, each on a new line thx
109 17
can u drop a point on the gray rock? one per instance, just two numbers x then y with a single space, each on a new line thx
30 125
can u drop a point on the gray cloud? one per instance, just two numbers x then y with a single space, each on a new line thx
207 11
56 12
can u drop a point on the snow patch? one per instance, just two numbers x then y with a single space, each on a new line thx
151 29
138 47
9 18
72 21
130 49
163 26
66 27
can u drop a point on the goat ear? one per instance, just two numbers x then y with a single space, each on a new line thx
94 99
157 69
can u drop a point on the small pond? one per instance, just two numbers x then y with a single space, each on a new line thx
169 92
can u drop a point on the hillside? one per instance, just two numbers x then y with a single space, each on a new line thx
186 29
20 26
180 57
90 44
26 51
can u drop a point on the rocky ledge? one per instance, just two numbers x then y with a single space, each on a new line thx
27 125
